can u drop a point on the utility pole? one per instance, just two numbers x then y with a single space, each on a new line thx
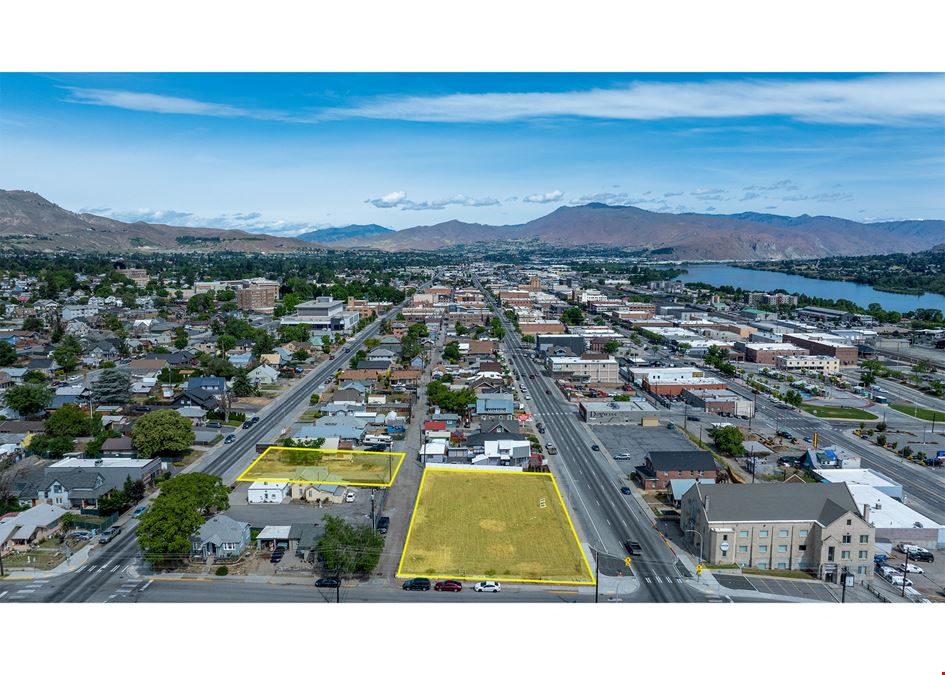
596 576
905 575
373 520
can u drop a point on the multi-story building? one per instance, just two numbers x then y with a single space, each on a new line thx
259 295
814 527
589 367
721 401
825 344
675 387
775 299
825 365
137 275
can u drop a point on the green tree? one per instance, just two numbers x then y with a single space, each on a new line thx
528 339
242 386
264 344
112 386
451 352
67 353
728 440
300 355
181 338
326 344
611 346
53 447
294 333
225 343
572 316
349 549
8 355
201 302
28 399
206 493
165 529
34 377
33 324
162 432
71 420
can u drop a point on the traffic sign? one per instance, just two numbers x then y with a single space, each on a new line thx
698 569
627 561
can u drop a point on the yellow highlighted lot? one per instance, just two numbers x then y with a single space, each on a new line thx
474 524
322 466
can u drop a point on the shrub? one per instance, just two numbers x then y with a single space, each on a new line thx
222 571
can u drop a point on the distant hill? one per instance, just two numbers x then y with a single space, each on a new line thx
29 221
332 234
689 236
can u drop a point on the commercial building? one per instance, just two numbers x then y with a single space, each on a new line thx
662 467
546 341
589 367
536 327
721 401
825 344
634 411
815 527
775 299
323 313
825 365
675 387
768 352
823 314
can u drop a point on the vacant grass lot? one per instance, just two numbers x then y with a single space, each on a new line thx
926 414
492 525
837 412
335 467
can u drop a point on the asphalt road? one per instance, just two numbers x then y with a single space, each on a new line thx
609 517
95 578
925 487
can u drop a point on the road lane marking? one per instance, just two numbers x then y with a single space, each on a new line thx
116 567
91 568
27 590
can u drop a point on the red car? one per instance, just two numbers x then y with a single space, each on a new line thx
448 585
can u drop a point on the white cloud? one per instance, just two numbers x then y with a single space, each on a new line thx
159 103
249 222
823 197
880 99
399 200
748 196
710 194
786 185
546 198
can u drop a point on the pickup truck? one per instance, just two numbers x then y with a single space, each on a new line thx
109 534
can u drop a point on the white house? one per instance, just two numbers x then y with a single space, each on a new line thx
265 492
264 374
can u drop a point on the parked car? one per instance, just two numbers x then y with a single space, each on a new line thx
552 451
214 425
595 448
633 547
548 391
623 456
109 534
138 512
484 586
910 568
880 558
141 409
692 418
229 439
349 497
418 584
254 419
448 585
921 556
383 523
277 555
625 490
327 582
331 357
247 424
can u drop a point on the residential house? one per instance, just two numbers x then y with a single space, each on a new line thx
221 538
265 492
27 528
264 374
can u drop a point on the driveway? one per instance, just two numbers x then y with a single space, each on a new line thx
260 515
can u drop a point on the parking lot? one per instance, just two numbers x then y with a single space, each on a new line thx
930 584
288 512
809 590
637 441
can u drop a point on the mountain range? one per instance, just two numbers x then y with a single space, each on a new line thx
328 235
683 236
29 221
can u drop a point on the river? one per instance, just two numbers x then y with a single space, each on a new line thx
763 280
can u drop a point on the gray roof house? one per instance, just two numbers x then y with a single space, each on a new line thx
221 538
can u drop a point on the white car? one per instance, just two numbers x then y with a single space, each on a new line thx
910 568
899 580
493 586
349 497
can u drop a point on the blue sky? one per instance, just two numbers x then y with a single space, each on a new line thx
287 153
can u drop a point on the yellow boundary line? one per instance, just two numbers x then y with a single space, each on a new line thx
567 515
399 455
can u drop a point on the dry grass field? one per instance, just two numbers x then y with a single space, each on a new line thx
492 525
333 467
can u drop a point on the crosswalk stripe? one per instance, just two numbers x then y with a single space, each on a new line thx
4 593
27 590
80 568
648 580
658 580
91 568
115 567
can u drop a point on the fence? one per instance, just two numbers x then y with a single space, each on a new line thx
94 523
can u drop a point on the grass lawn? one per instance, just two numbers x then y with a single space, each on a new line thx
44 558
837 412
492 525
922 413
335 467
789 574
